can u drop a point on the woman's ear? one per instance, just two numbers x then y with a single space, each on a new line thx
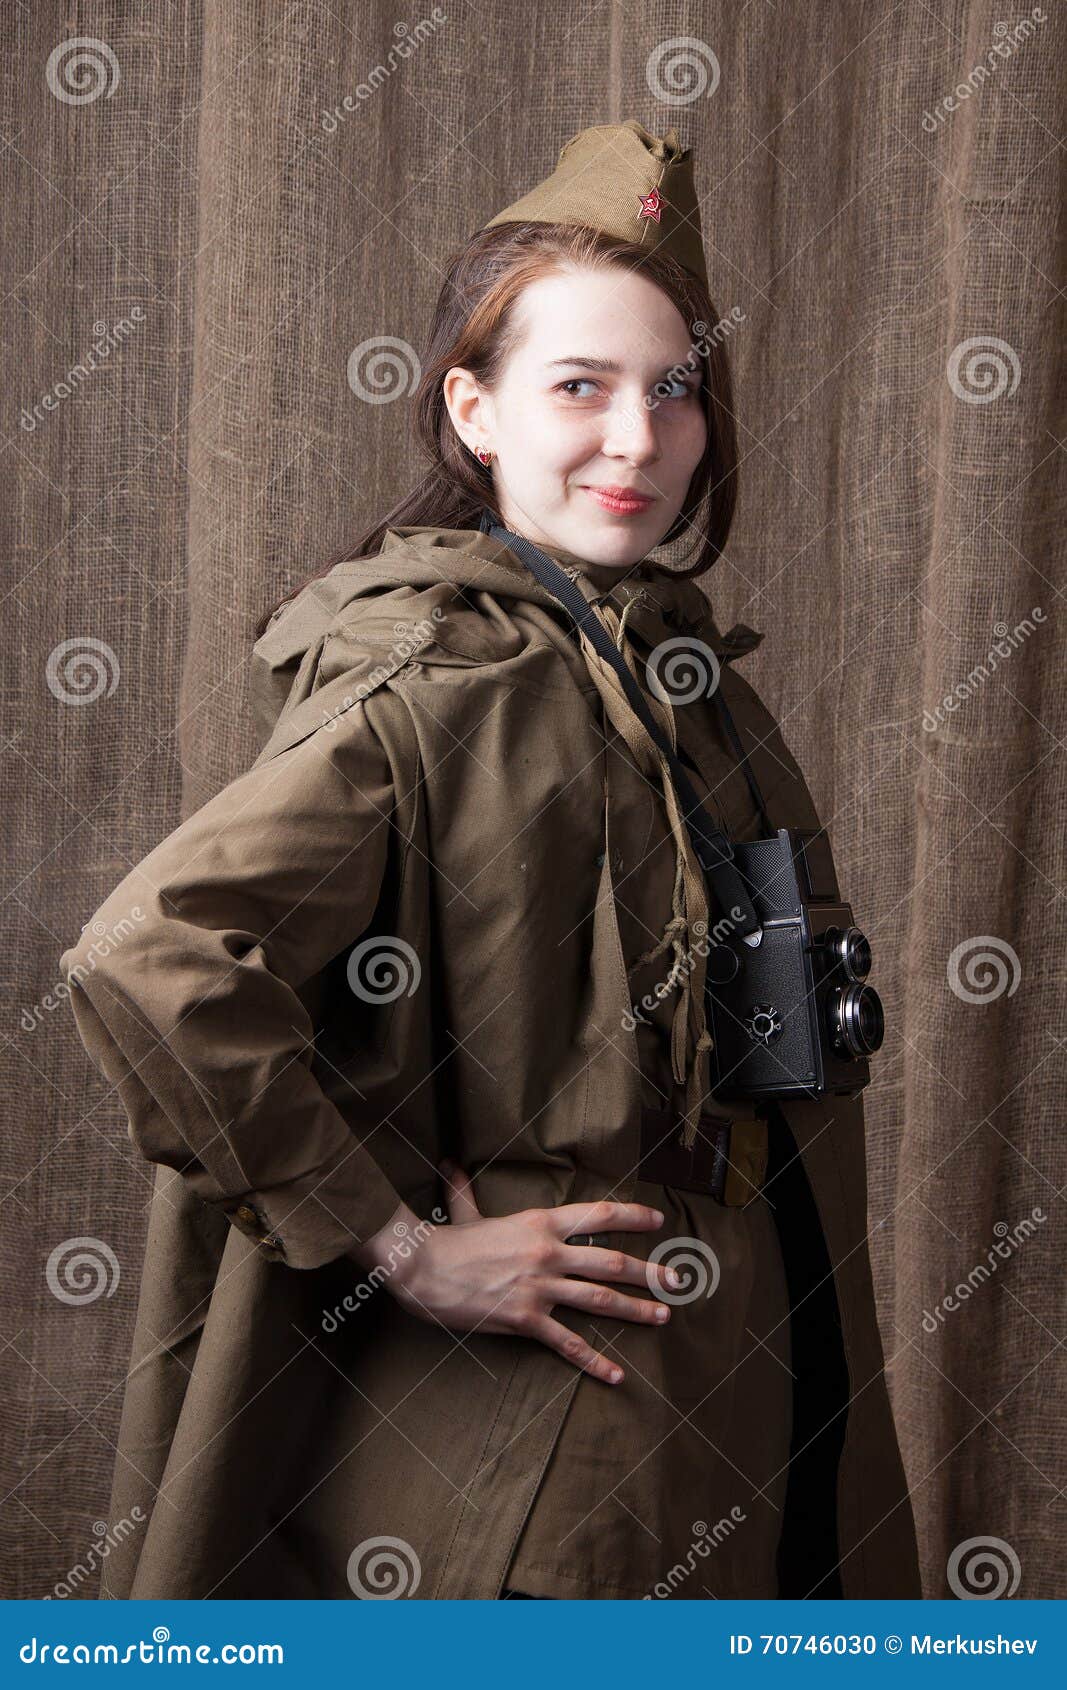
469 407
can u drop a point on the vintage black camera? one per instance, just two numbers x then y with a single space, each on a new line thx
793 1015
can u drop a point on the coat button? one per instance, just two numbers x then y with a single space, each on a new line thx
247 1214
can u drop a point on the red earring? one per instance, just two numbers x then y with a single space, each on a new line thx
483 454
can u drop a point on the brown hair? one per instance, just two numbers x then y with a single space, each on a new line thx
474 327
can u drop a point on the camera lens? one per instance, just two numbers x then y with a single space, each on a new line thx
857 955
849 950
857 1020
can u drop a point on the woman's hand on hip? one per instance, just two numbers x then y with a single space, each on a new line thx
507 1273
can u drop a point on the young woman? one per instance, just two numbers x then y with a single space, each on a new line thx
445 1295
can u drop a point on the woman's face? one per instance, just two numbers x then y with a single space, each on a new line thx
578 408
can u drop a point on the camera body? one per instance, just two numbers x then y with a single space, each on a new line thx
793 1015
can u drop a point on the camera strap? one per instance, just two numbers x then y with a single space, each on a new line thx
714 851
743 758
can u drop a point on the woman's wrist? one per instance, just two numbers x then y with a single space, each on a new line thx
379 1250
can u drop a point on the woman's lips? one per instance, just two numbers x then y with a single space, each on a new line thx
629 504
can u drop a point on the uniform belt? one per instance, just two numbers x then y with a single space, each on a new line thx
728 1160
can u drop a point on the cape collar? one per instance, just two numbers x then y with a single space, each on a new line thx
667 606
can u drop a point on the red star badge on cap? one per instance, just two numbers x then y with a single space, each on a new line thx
650 204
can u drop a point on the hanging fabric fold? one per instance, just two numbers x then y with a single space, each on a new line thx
688 925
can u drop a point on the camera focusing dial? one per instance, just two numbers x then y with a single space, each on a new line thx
764 1024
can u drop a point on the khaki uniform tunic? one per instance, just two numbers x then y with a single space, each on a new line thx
671 1483
287 1425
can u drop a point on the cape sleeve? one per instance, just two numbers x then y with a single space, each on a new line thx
190 1008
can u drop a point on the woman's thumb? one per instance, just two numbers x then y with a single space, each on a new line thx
462 1205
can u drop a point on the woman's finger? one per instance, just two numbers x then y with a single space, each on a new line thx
593 1262
604 1300
573 1348
603 1214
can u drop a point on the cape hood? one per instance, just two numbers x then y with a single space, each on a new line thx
447 583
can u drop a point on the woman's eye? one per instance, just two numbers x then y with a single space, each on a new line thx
662 389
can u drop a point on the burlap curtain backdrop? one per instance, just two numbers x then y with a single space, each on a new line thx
206 245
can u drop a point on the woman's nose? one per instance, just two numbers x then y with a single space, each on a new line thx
631 433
